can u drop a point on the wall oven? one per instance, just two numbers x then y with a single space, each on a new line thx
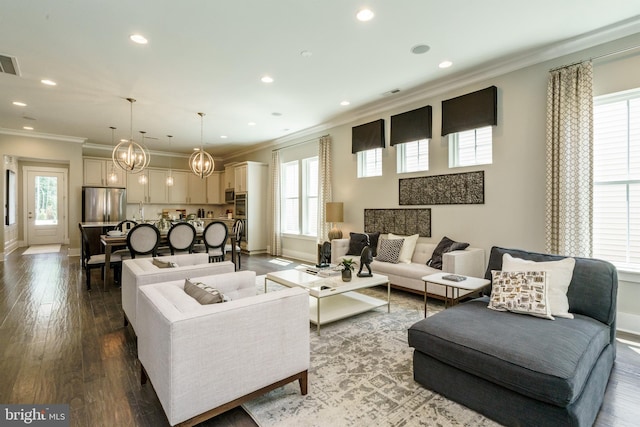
241 206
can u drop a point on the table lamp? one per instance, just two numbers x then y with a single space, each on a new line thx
334 213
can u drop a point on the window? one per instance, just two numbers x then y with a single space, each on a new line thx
616 179
413 156
370 163
300 197
470 147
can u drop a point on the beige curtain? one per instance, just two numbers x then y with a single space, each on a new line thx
324 194
276 237
569 160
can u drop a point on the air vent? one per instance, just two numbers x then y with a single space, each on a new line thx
8 65
391 92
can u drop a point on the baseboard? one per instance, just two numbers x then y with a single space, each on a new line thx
627 322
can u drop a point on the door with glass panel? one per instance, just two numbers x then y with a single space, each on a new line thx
45 199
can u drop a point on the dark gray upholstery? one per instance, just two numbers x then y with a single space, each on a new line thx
519 369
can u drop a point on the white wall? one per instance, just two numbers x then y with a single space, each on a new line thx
513 214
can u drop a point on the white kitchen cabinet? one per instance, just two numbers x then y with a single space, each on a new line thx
154 191
197 190
215 192
97 172
253 181
240 178
229 175
178 191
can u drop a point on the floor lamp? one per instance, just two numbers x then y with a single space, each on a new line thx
334 213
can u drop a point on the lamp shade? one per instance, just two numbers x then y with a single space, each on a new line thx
334 212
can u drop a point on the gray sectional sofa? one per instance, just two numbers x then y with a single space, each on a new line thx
521 370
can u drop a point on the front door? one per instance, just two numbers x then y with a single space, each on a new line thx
45 201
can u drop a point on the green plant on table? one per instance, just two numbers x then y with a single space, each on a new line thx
347 264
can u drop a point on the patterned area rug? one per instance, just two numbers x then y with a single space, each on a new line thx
41 249
362 375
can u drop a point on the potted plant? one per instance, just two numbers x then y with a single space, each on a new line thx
347 265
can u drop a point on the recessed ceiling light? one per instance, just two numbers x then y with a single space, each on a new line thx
19 104
267 79
365 15
48 82
275 113
445 64
345 103
27 127
420 49
138 38
306 53
251 123
223 136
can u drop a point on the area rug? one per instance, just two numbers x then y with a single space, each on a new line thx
41 249
362 375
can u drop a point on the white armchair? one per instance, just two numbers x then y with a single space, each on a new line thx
203 360
139 272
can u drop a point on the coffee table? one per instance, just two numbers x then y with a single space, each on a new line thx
468 284
338 300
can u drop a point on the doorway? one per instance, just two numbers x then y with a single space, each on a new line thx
45 202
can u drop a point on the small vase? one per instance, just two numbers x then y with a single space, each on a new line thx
346 275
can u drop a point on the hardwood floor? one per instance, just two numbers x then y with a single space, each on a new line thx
62 344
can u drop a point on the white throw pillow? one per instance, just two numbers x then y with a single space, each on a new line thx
408 246
558 279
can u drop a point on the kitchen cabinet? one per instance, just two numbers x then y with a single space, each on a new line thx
229 175
196 190
252 177
97 171
215 190
154 191
178 191
240 178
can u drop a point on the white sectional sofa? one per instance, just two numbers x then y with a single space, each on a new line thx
408 276
139 272
205 359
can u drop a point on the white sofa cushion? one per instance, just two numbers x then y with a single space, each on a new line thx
407 247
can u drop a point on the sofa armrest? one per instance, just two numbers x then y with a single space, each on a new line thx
203 358
339 248
468 262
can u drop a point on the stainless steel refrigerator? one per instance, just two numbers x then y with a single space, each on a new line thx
104 204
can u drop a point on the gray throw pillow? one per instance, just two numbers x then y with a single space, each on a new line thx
163 264
390 250
445 245
357 242
202 293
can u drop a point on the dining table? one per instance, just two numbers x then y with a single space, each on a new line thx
120 241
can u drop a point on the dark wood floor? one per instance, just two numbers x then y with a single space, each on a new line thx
62 344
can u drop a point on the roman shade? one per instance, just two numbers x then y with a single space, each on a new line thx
411 126
367 136
471 111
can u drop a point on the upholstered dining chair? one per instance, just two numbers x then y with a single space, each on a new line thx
126 225
215 238
92 260
143 239
238 231
181 237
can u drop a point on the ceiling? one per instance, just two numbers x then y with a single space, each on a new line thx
210 56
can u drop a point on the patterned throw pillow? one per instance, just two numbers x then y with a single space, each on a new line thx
163 264
390 250
522 292
202 293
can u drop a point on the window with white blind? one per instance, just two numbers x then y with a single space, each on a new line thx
471 147
370 163
616 179
300 197
413 156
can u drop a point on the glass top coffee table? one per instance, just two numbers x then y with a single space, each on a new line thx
330 298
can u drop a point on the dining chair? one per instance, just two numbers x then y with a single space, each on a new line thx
215 238
181 237
126 225
143 239
238 232
92 260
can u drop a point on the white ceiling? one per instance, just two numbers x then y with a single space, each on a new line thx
209 56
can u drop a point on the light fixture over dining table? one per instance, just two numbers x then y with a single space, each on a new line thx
129 155
201 162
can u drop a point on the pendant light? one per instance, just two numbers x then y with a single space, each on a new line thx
170 176
113 177
143 179
129 155
201 162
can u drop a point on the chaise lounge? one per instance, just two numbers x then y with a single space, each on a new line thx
523 370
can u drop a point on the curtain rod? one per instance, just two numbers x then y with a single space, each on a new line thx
300 143
595 58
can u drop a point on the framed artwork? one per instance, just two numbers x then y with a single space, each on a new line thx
398 221
452 189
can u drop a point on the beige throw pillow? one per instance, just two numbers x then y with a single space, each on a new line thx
559 274
202 293
163 264
408 246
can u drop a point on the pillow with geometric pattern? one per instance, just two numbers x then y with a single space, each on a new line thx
202 293
524 292
390 250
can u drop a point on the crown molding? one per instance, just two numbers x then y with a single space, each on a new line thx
109 148
39 135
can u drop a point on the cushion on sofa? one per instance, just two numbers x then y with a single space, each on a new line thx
357 242
445 245
390 250
560 273
202 293
373 242
520 292
407 247
164 264
548 361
